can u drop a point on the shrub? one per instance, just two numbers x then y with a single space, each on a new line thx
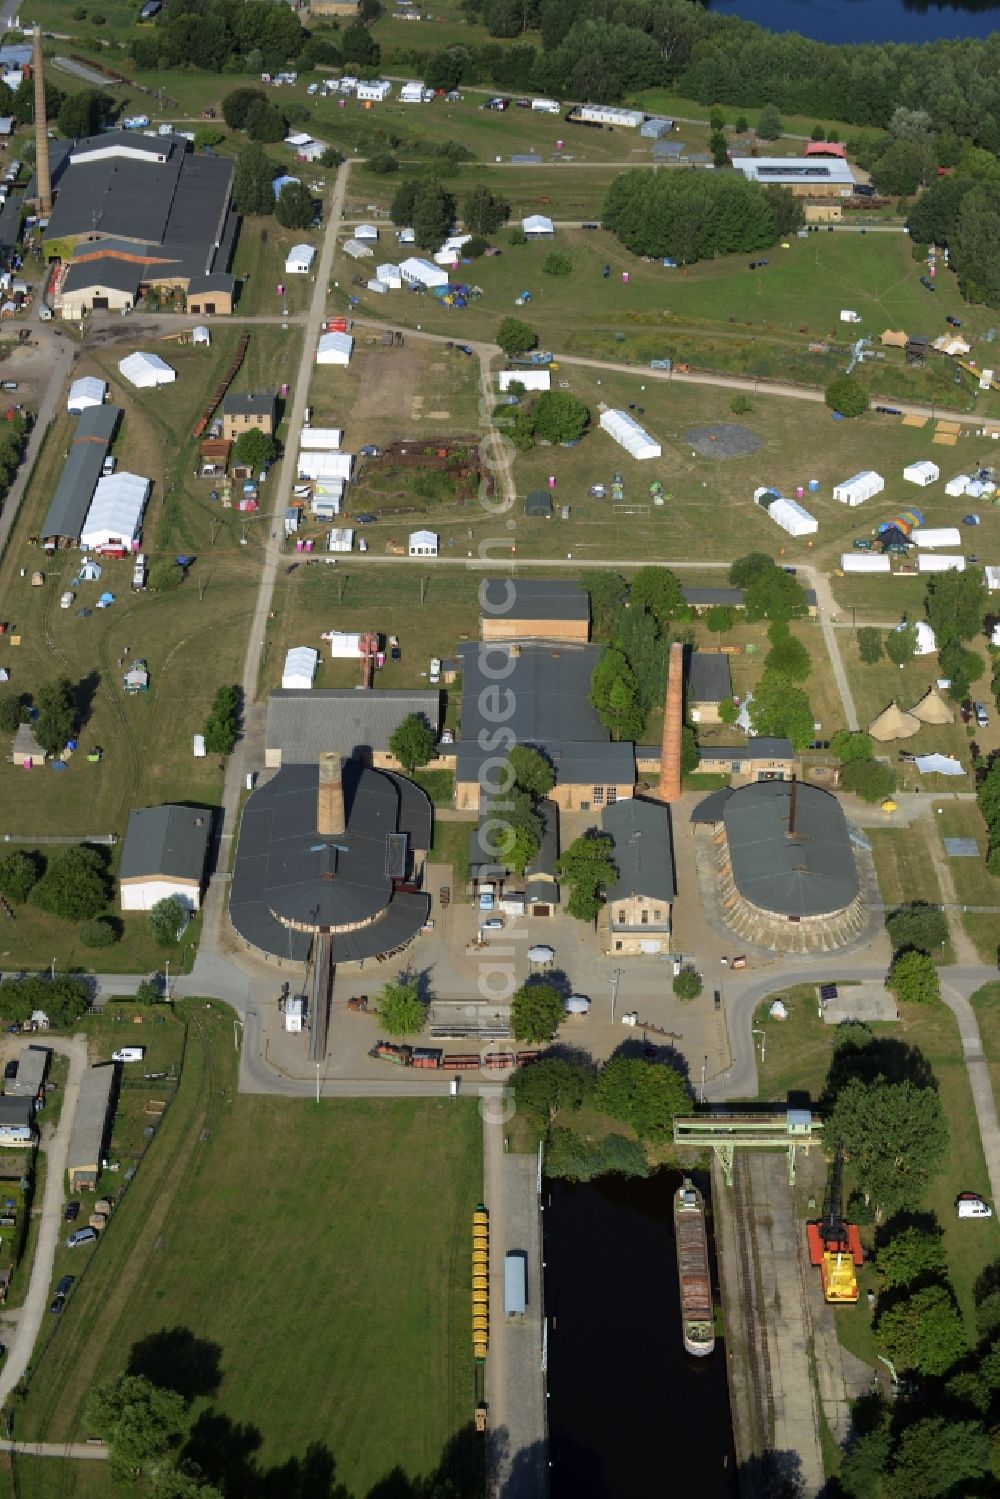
557 263
98 933
869 644
688 984
847 395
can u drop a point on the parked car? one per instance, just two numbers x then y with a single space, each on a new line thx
10 1071
58 1302
366 518
8 384
982 717
71 1212
971 1205
108 466
65 1285
495 924
926 281
81 1236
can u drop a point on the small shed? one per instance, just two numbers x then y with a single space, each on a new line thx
25 749
366 233
537 226
923 472
298 261
390 276
87 391
335 348
301 664
423 544
538 503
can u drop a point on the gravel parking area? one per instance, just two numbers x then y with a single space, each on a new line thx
723 440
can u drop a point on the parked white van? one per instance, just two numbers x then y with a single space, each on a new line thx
971 1205
128 1054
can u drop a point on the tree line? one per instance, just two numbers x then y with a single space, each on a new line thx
693 216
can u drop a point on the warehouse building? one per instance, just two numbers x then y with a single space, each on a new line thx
163 854
74 492
639 904
299 726
533 609
91 1127
812 178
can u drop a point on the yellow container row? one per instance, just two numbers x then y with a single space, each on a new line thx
480 1282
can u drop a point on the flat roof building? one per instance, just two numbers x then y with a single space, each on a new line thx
805 178
358 724
90 1127
533 609
29 1079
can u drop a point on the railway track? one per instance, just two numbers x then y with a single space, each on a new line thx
757 1361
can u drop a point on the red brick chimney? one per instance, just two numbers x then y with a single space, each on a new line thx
673 723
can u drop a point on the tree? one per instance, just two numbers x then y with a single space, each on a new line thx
483 211
140 1422
98 933
939 1455
266 122
852 744
382 163
869 645
781 711
729 711
607 592
978 226
560 416
413 742
237 105
900 168
787 656
530 770
745 569
690 753
166 919
645 1095
11 712
872 780
658 590
720 618
574 1158
359 46
165 576
847 395
919 926
894 1135
433 214
552 1084
400 1008
913 978
294 208
56 715
646 649
923 1331
689 216
688 984
910 1255
615 695
331 157
588 868
901 643
961 667
83 113
19 874
404 202
517 846
955 604
255 448
179 1483
515 337
719 149
769 125
75 885
252 190
774 595
535 1012
222 725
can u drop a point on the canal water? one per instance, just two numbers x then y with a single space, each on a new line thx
630 1413
869 20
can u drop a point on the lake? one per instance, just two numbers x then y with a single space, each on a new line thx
869 20
627 1406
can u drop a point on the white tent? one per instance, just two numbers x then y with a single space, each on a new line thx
924 472
376 286
418 272
334 348
390 276
366 233
926 640
627 432
340 540
939 765
936 536
325 465
146 370
87 391
321 438
530 379
201 335
412 93
940 562
860 487
343 646
374 90
115 515
356 250
298 261
537 226
451 251
787 514
863 562
957 486
576 1004
423 544
992 575
300 666
325 506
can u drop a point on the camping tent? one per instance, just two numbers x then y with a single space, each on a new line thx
957 486
787 514
893 338
334 348
859 487
926 639
940 562
932 708
390 276
627 432
146 370
893 723
864 562
300 666
937 536
530 379
298 261
904 522
923 472
87 391
939 765
356 250
340 540
343 646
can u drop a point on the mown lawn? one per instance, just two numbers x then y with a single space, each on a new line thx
319 1255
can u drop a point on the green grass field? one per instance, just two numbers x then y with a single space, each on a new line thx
334 1295
798 1052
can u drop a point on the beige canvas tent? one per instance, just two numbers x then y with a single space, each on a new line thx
932 708
893 339
893 723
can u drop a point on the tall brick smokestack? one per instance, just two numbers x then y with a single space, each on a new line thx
673 723
330 816
43 177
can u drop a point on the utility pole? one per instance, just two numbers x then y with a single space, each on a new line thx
616 975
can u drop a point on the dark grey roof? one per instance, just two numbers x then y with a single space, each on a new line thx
249 403
538 502
711 807
790 848
91 1121
105 270
705 597
350 720
217 281
70 502
169 841
534 598
10 224
708 679
643 849
31 1068
544 861
539 875
16 1112
755 749
285 869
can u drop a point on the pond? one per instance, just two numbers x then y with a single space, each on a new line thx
869 20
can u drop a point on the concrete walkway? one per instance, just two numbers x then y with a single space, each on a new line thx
826 608
56 1149
83 1451
979 1081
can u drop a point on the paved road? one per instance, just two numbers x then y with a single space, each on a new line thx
84 1451
36 1302
979 1081
59 354
826 608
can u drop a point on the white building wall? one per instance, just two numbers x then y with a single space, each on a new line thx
143 895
